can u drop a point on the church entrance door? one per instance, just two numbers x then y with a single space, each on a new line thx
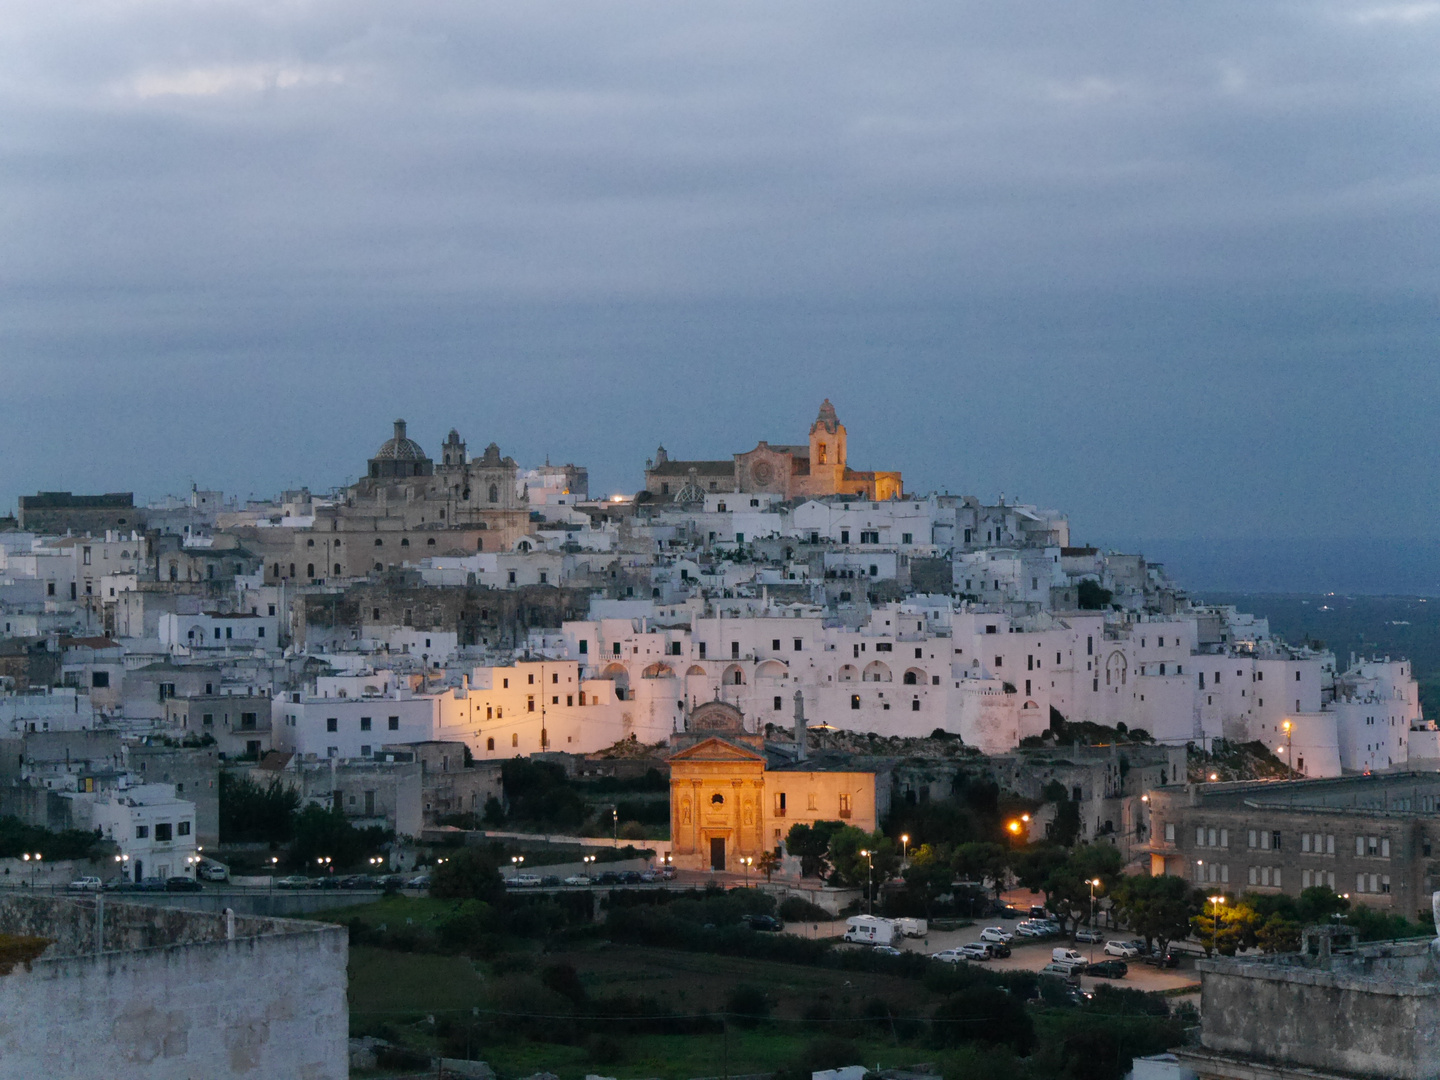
717 853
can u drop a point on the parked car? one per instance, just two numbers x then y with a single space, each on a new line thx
355 881
1037 911
668 873
887 950
419 881
1108 969
1142 947
649 877
976 950
523 881
1122 949
608 877
182 884
998 949
764 922
213 871
949 956
997 934
1005 911
117 884
631 877
1065 971
294 881
84 884
150 884
550 881
1068 957
1089 936
577 879
1171 959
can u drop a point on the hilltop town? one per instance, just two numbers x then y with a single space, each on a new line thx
783 639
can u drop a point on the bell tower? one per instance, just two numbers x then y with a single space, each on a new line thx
827 451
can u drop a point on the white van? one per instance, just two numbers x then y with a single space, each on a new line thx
912 927
1067 957
869 930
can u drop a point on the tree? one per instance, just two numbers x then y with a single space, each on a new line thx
1159 909
1091 596
321 832
811 844
982 862
251 814
1034 864
767 862
984 1014
853 868
1225 928
467 875
1278 934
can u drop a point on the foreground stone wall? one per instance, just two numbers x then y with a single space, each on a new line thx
268 1003
1378 1015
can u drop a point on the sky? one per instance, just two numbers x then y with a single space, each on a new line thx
1168 267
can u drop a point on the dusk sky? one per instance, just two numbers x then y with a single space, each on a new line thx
1168 267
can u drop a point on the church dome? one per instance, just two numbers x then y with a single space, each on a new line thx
399 448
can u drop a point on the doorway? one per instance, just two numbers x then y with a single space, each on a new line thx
717 853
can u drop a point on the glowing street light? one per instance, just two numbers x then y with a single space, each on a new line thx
745 862
870 883
1215 923
904 848
515 863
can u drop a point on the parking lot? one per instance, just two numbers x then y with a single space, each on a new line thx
1027 955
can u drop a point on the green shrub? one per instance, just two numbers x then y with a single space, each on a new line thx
747 1005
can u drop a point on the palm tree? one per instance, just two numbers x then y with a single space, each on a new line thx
767 862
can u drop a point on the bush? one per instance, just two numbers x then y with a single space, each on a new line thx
798 909
603 1050
985 1014
747 1005
467 875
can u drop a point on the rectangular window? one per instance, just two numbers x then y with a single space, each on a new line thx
810 803
1360 845
775 644
779 804
1199 836
183 829
514 739
799 645
1225 838
332 724
584 648
100 679
163 832
1275 841
1330 849
1305 843
142 832
1170 832
529 702
394 723
365 750
570 699
1225 874
702 650
1305 877
1385 849
844 805
1374 882
1385 883
1254 876
854 701
364 723
1359 882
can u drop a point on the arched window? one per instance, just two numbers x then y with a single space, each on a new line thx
514 740
337 569
378 567
310 569
277 571
430 542
292 569
379 542
489 744
717 799
404 541
310 542
494 493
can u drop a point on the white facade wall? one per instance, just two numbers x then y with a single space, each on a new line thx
55 709
350 727
199 633
151 826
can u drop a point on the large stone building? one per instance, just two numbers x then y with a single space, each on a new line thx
59 512
730 799
816 468
1373 837
404 509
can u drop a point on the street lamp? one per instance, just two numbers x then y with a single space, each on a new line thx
615 823
1289 747
1215 923
904 848
745 862
515 861
1094 883
274 865
124 870
34 861
324 861
870 883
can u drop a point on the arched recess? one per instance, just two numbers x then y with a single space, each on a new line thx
734 676
849 673
1030 705
658 670
770 671
696 669
1115 669
875 671
916 677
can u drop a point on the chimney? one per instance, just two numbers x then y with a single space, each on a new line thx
399 430
799 726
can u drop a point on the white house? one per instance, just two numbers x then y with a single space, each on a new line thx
154 830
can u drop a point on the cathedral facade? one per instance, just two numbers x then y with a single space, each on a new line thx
817 468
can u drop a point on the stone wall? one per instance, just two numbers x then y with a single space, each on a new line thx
172 997
1373 1013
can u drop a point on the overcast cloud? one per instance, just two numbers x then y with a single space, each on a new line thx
1168 266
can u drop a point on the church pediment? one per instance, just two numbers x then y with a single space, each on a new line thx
717 749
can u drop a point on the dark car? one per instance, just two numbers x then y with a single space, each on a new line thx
355 881
609 877
181 884
998 948
631 877
150 884
1108 969
767 923
1005 911
550 881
